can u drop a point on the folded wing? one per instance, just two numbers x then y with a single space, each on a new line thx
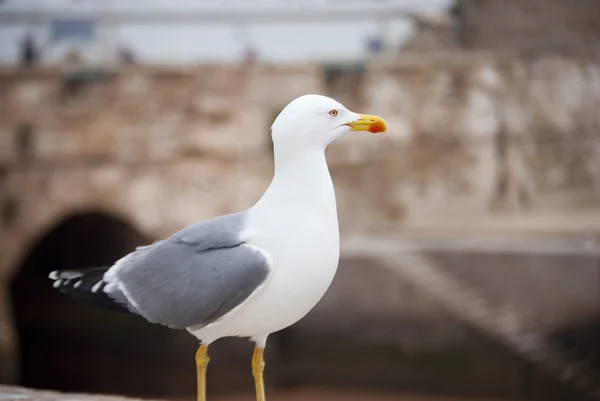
192 278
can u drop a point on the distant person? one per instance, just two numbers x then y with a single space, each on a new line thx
250 57
29 53
374 44
126 56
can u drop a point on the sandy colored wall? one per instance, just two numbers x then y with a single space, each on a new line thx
476 141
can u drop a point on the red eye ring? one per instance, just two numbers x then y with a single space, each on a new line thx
333 113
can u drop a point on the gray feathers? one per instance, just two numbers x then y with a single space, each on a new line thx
192 278
218 232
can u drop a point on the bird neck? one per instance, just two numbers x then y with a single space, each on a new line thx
301 178
301 169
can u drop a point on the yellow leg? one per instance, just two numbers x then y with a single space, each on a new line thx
201 364
258 366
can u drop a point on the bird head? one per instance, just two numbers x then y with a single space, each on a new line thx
314 121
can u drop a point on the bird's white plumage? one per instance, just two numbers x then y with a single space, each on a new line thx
295 222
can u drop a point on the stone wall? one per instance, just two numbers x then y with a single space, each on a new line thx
10 393
476 141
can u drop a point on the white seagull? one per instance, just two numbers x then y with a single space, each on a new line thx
245 274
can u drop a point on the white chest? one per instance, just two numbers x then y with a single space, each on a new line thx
304 247
305 252
296 223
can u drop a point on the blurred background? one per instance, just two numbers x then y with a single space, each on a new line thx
470 264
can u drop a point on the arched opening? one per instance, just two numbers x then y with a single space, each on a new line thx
73 346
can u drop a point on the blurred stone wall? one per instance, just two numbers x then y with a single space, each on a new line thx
477 143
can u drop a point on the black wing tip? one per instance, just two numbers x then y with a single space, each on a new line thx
84 285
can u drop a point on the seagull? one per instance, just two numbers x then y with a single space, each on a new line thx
246 274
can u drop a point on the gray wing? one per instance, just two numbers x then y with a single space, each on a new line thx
192 278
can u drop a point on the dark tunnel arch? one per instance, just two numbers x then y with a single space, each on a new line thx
71 346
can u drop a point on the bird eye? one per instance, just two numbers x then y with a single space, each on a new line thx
333 113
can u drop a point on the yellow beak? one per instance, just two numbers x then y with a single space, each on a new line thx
373 124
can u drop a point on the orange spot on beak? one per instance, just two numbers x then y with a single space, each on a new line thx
377 127
372 124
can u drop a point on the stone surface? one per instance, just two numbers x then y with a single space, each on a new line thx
14 393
